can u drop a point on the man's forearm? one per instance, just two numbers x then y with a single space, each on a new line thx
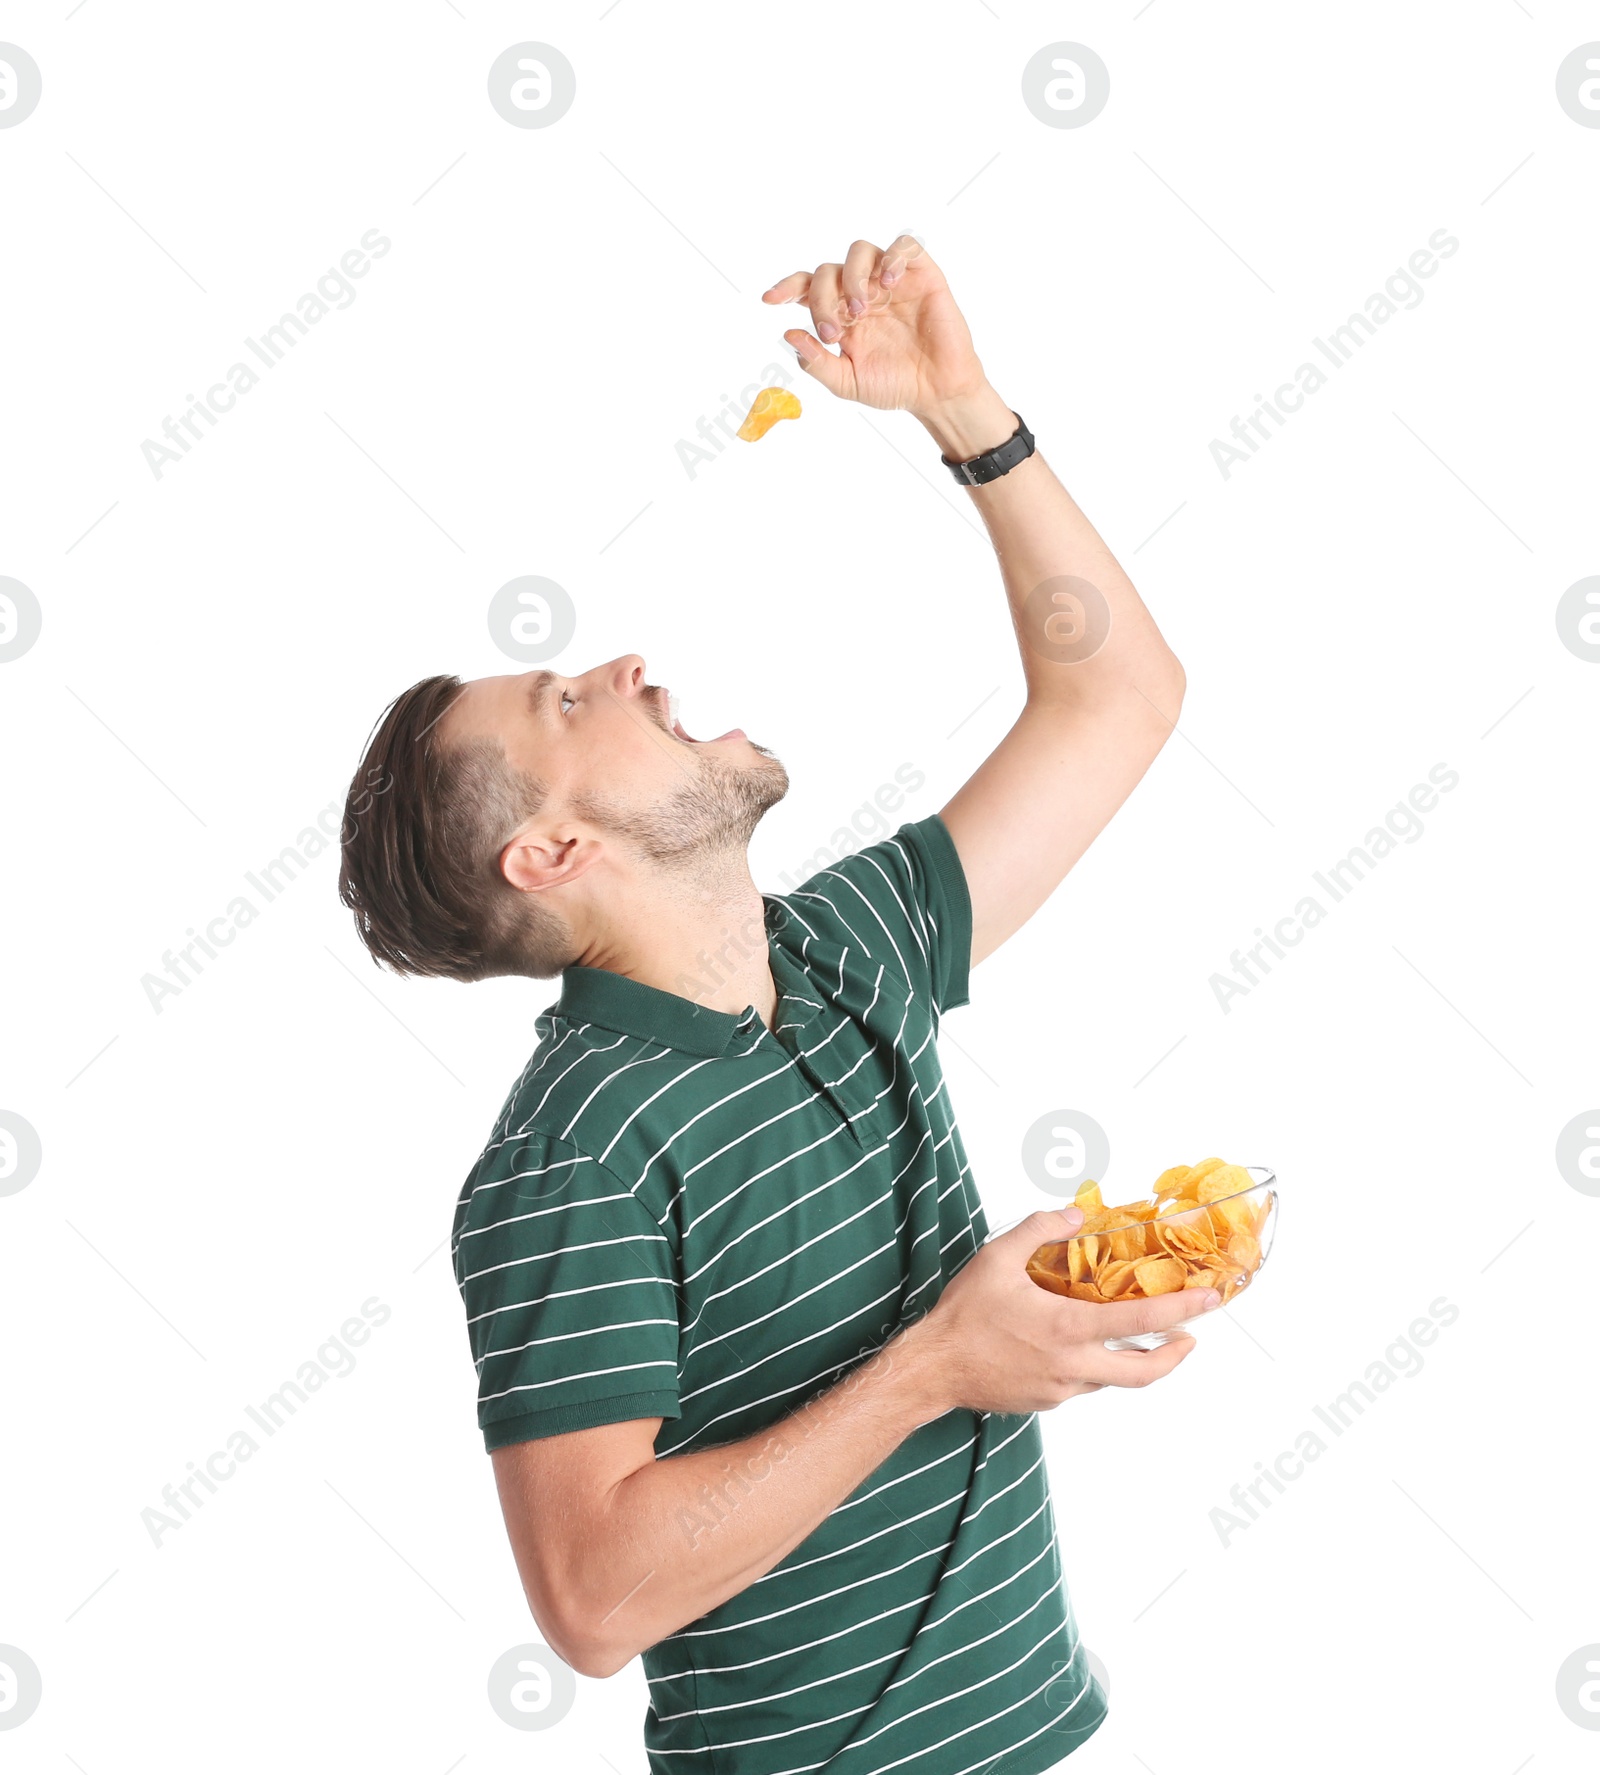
679 1537
1040 535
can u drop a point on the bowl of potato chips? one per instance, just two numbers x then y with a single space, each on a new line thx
1202 1226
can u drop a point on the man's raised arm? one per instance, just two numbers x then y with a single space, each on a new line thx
1103 687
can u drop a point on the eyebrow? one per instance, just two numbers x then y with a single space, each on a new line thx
539 691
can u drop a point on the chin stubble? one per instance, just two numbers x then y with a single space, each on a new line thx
714 811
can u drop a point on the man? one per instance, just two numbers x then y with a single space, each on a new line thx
760 1396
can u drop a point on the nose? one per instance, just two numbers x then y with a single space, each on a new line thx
625 675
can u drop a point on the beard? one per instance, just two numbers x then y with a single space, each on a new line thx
711 815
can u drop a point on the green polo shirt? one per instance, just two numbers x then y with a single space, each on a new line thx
682 1214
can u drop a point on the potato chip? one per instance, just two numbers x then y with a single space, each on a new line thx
1223 1180
1173 1242
1127 1241
1169 1182
1189 1235
1160 1275
1088 1196
771 405
1239 1212
1116 1278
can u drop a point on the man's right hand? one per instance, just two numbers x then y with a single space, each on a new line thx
997 1341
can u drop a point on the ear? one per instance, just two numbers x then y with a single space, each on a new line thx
533 861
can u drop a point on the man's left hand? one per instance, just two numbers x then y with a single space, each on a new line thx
901 339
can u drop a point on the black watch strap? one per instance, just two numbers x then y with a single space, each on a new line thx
994 463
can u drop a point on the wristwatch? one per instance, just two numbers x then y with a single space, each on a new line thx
993 463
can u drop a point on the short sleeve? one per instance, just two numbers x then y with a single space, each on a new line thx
905 901
570 1291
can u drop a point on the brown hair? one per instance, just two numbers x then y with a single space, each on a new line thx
424 825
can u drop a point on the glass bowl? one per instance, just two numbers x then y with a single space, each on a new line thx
1219 1244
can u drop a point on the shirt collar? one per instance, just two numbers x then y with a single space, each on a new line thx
613 1001
596 995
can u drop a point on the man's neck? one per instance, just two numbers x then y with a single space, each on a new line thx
705 940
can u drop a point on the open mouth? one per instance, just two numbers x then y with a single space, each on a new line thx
676 728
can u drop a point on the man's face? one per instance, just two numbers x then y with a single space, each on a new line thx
608 749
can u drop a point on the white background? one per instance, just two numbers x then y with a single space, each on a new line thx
232 1176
